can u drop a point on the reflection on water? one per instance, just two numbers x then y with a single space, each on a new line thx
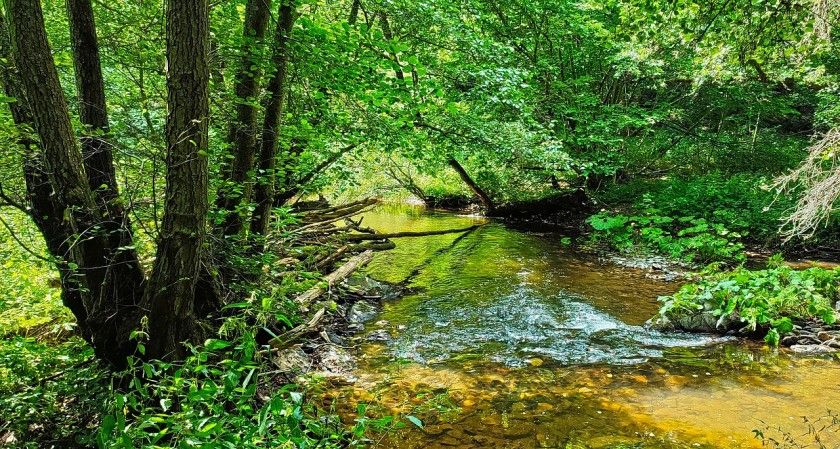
513 340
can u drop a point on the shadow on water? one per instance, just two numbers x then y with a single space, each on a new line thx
511 339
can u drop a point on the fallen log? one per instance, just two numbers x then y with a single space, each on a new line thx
287 338
394 235
324 220
331 258
309 296
339 209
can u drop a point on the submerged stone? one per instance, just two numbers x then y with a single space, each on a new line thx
812 349
361 312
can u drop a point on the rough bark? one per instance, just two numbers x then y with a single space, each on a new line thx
43 209
97 152
354 12
242 135
102 284
172 304
485 199
98 158
264 188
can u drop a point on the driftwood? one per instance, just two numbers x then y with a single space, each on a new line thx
394 235
287 338
309 296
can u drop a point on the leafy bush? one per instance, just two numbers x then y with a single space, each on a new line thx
686 238
741 201
222 395
51 395
768 300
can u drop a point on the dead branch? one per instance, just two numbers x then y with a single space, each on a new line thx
287 338
394 235
309 296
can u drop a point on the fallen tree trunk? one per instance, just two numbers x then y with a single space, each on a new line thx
286 339
308 297
393 235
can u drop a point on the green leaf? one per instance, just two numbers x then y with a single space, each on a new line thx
415 420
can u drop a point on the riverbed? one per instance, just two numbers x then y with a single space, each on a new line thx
513 338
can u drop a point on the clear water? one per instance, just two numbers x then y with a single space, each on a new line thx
513 339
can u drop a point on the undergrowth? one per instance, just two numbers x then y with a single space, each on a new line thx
765 301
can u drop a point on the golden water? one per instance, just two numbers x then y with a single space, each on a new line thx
511 339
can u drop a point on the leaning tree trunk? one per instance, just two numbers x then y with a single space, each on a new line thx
43 209
485 199
104 296
171 303
97 151
242 135
93 113
264 188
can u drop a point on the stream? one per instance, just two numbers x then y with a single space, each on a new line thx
513 339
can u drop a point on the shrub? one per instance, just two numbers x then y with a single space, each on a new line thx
686 238
768 300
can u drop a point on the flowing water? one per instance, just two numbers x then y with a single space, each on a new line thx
512 339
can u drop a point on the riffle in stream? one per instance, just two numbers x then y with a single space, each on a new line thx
512 339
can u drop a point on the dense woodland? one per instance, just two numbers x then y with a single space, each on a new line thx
161 162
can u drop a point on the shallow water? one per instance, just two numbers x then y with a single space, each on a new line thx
512 339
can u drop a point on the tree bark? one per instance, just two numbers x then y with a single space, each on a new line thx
97 151
104 291
485 199
354 12
172 303
98 158
242 135
264 188
43 209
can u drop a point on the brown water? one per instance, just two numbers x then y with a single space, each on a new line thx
514 340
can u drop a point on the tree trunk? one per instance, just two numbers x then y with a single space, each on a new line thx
242 135
475 188
171 303
97 151
43 209
354 12
98 158
264 188
104 291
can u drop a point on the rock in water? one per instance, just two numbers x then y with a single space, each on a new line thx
336 362
293 360
812 349
379 335
361 312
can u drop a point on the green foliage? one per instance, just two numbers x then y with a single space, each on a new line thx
50 394
743 202
766 301
689 239
222 395
28 297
